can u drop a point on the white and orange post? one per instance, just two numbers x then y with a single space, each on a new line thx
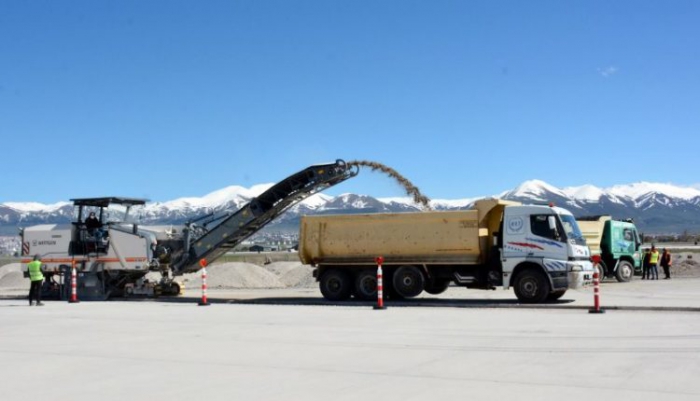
596 287
380 284
73 284
203 301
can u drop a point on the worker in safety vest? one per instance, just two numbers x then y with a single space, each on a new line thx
645 264
37 278
654 263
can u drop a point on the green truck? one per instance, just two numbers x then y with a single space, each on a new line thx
617 242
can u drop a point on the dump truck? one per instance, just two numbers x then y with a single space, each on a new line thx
114 259
536 249
617 242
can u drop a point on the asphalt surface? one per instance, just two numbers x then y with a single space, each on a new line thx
464 344
679 294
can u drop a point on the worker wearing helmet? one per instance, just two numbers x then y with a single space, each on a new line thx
37 278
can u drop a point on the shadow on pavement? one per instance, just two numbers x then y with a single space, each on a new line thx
421 302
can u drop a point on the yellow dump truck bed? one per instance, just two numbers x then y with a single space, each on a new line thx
592 231
425 237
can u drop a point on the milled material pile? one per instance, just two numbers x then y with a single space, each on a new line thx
11 277
248 275
225 275
684 267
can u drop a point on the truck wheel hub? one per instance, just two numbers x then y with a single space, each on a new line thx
529 287
334 285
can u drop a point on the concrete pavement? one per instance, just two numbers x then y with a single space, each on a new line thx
179 351
675 294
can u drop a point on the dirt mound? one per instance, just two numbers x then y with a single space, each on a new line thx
11 277
14 280
248 275
234 275
684 267
293 274
281 268
299 277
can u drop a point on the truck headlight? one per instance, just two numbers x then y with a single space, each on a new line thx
576 268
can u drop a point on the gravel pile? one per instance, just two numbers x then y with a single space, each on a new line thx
225 275
233 275
684 267
248 275
300 276
11 277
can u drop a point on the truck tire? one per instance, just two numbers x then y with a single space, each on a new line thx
553 296
531 286
408 281
601 269
624 272
366 285
335 285
437 287
174 289
389 291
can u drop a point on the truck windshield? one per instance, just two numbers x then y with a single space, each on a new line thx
573 232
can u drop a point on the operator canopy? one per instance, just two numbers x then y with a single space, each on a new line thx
106 201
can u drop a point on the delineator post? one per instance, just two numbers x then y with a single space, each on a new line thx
73 284
203 301
380 284
596 295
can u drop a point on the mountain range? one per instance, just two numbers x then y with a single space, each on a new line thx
655 208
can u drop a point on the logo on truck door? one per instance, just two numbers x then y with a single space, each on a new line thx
515 225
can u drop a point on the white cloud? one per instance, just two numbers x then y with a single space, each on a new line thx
606 72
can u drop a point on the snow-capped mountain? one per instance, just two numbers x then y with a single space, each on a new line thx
655 207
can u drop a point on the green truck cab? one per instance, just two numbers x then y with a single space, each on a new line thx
617 242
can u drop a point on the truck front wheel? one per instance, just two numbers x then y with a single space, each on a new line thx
624 272
531 286
335 285
553 296
408 281
601 270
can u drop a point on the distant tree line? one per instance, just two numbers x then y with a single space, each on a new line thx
685 237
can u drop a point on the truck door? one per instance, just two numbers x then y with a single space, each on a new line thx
534 235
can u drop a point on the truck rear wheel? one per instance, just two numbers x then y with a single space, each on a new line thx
437 287
624 272
408 281
531 286
335 285
366 285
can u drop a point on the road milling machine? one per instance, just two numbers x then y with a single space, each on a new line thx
113 257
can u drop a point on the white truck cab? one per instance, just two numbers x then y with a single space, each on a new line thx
547 238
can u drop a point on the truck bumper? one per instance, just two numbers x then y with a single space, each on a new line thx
580 274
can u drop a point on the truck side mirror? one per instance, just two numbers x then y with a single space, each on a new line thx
553 226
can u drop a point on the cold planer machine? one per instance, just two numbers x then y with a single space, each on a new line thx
114 258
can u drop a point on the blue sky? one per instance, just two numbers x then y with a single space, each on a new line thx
165 99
